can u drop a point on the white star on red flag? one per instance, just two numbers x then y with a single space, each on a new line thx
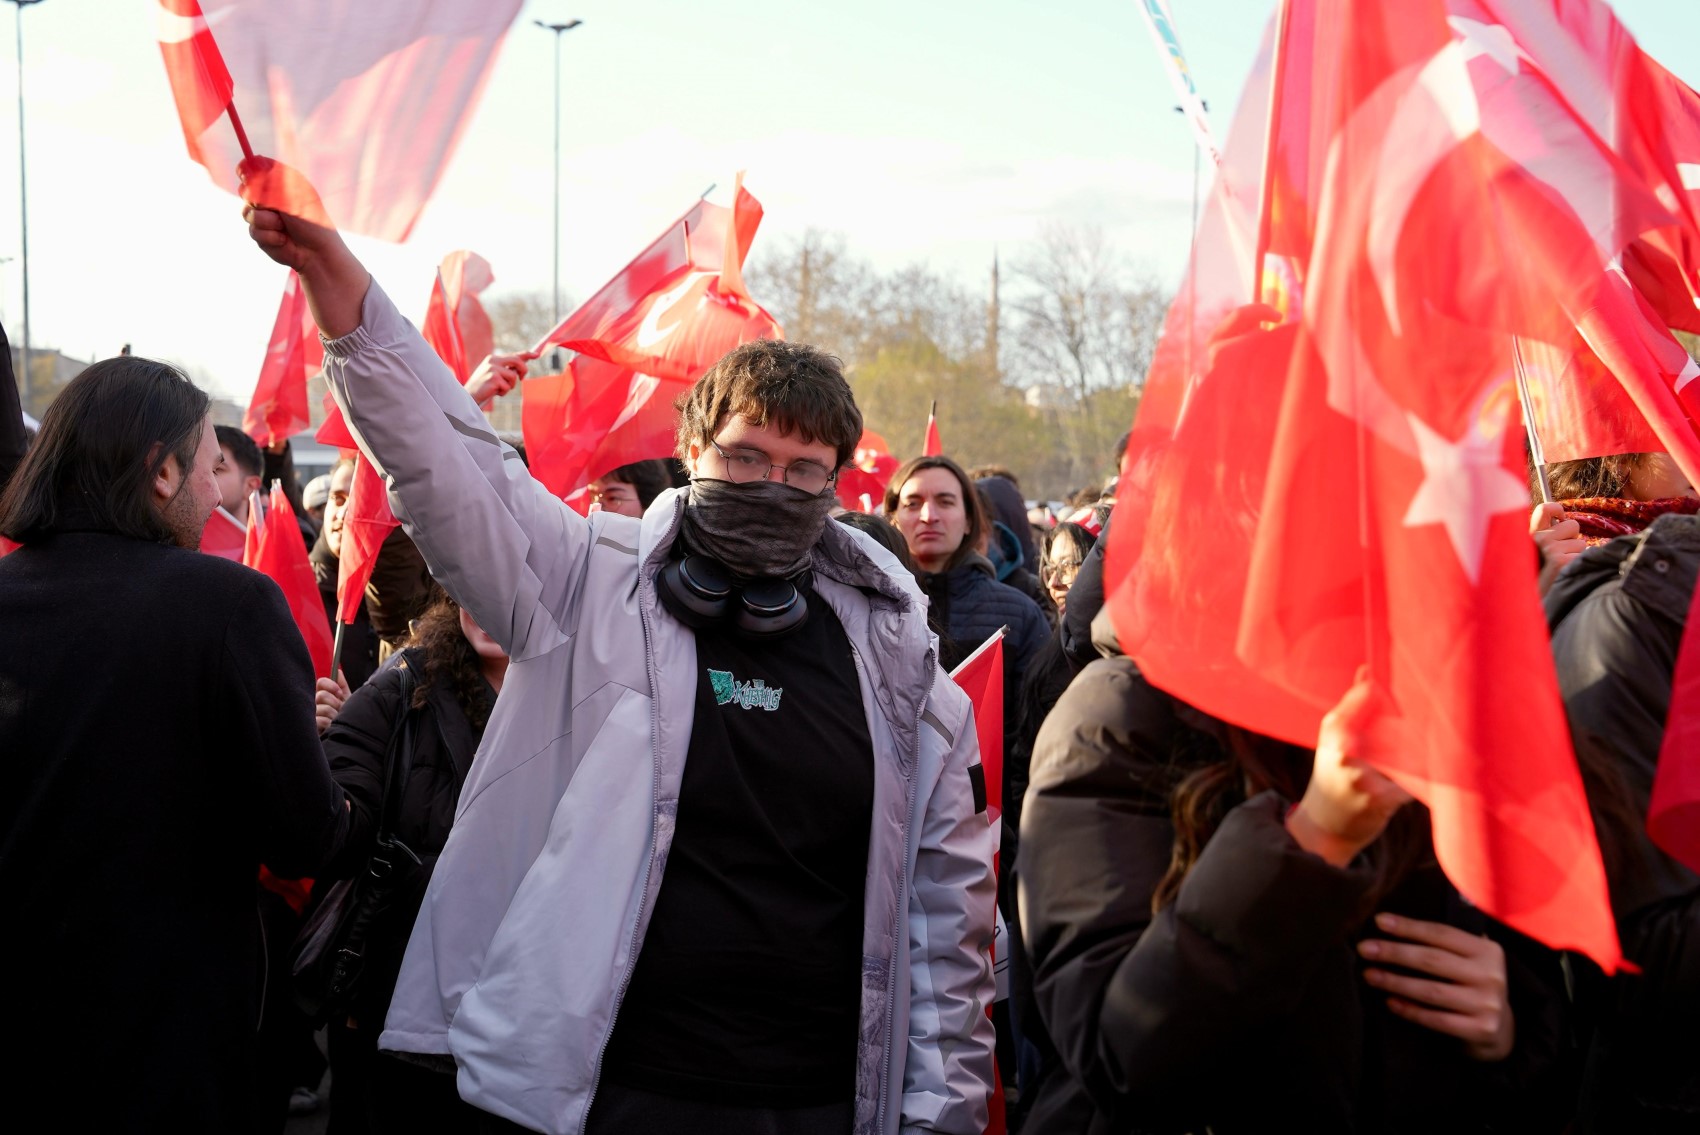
1465 485
1492 40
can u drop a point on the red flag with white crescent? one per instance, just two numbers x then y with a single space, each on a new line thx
366 101
644 338
1354 476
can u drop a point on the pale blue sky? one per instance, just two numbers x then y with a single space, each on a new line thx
931 131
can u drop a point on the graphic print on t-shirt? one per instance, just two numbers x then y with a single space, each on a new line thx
754 694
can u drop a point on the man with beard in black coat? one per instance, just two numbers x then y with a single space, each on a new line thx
157 745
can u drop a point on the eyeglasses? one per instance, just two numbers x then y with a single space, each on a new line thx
1061 570
746 465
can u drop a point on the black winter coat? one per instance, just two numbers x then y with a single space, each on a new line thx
1239 1007
157 745
971 605
444 743
1618 614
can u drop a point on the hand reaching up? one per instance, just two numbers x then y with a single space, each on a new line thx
496 376
289 224
1347 804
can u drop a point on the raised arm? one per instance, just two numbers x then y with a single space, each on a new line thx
505 548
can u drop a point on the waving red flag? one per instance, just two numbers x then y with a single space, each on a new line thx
1353 478
644 338
274 547
593 417
367 100
443 333
980 676
465 275
224 536
364 527
279 407
681 305
931 446
200 82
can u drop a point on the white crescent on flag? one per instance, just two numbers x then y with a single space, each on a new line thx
1424 118
650 332
637 395
177 28
1439 112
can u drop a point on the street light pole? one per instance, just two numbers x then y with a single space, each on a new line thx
557 29
23 202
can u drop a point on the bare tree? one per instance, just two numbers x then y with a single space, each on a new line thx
1067 310
519 319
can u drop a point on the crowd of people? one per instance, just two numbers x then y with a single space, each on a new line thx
667 817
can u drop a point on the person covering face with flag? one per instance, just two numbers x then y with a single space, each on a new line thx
720 864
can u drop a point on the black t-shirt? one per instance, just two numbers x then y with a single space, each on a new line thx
748 986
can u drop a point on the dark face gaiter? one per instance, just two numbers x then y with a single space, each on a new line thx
759 530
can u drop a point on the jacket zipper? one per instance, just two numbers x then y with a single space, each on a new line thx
902 919
649 860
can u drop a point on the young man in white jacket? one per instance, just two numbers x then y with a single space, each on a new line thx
723 862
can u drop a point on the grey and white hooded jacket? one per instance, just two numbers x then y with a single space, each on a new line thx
538 906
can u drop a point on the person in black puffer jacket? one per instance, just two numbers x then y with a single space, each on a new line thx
1201 946
458 671
936 507
1617 614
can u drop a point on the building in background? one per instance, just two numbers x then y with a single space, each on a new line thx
50 371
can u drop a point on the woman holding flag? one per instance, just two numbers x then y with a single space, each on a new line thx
1193 928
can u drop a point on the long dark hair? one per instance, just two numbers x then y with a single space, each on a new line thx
1214 775
450 661
977 522
102 443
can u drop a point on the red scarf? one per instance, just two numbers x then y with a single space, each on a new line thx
1607 518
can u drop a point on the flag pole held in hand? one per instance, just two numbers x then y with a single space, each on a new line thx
1537 457
241 134
336 650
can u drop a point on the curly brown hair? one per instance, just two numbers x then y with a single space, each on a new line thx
793 387
1592 476
450 659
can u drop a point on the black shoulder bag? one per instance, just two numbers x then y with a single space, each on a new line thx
330 950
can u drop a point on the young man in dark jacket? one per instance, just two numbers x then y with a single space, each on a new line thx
1618 614
158 746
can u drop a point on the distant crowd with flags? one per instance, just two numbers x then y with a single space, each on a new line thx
1333 766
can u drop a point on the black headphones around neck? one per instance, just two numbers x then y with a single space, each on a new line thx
699 592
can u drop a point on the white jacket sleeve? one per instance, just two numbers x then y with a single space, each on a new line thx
492 535
947 1078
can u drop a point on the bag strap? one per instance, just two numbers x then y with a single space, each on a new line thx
398 756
